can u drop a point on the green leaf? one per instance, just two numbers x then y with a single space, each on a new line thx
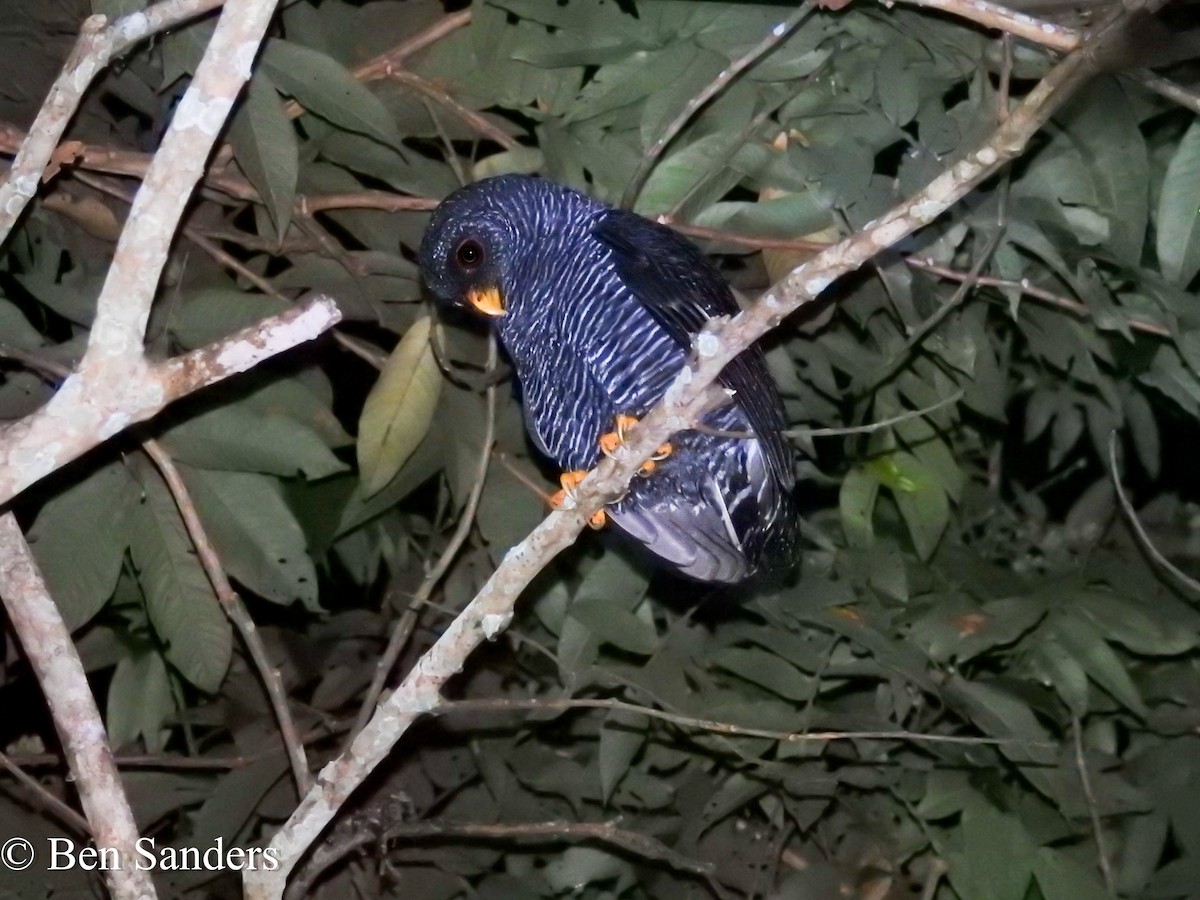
139 701
1104 126
209 314
896 83
255 534
522 160
615 626
399 408
1178 237
241 438
922 501
1086 645
998 713
679 174
264 144
996 858
789 216
614 579
577 867
1143 628
80 538
856 500
323 86
621 737
766 670
1062 878
180 601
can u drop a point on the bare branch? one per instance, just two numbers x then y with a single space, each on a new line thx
88 410
236 610
1190 584
1089 795
1001 18
63 812
97 45
51 653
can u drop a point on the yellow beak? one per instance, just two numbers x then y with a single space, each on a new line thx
487 301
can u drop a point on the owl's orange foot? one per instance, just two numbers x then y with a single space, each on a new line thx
565 496
610 441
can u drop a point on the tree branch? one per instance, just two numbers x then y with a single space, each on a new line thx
48 646
691 394
97 45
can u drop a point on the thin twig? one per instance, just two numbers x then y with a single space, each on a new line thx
235 265
1029 290
442 97
641 845
236 610
404 628
545 704
1174 92
1187 581
929 325
872 427
804 433
1093 810
380 67
774 37
68 816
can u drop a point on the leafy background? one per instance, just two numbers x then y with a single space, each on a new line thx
969 587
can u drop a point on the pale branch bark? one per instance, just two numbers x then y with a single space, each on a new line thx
91 407
115 384
692 393
124 303
1001 18
59 671
98 44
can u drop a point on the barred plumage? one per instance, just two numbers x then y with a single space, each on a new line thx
598 308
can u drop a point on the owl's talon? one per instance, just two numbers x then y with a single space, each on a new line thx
610 441
564 497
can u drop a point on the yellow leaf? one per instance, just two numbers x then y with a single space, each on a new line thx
399 408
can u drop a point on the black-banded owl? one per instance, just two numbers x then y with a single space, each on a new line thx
597 308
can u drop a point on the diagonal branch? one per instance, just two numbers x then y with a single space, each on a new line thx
691 394
59 671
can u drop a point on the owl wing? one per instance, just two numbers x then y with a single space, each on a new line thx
679 286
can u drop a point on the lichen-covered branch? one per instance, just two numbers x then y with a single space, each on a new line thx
50 652
91 407
692 393
97 45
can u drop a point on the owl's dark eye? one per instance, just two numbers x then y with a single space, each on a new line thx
469 253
